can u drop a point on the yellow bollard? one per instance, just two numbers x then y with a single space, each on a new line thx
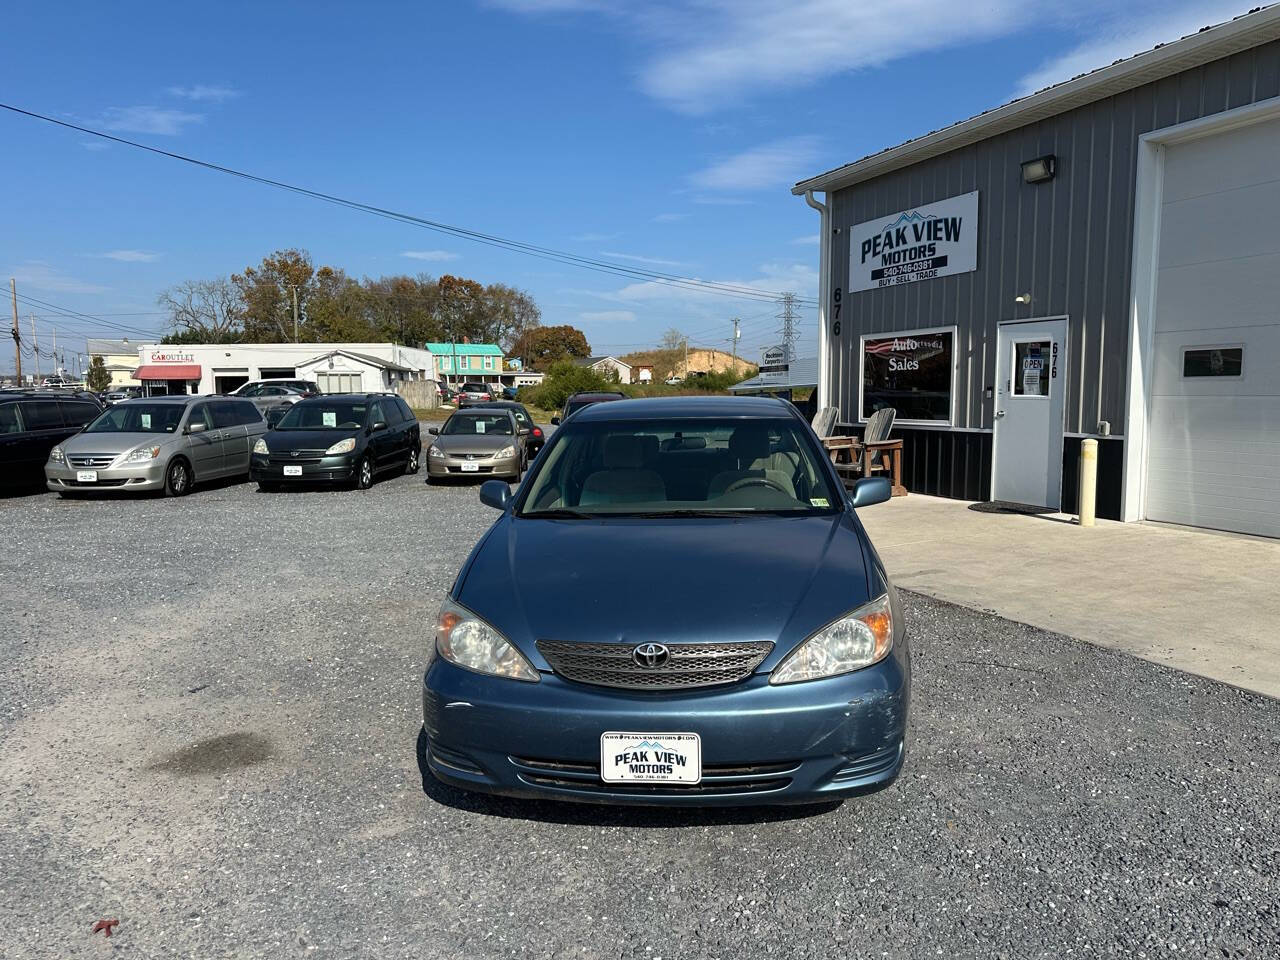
1088 481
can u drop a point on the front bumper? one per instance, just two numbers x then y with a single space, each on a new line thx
761 744
135 477
269 468
441 467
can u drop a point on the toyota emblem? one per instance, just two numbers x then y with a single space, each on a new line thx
293 453
650 655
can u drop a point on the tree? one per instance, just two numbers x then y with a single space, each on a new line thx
565 378
543 346
97 377
267 292
510 314
203 311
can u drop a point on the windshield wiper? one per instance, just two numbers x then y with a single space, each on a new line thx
561 513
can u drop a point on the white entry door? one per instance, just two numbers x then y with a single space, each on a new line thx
1030 388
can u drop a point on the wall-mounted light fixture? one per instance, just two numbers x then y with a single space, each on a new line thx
1040 170
1023 298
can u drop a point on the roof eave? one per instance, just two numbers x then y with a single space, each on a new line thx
1213 43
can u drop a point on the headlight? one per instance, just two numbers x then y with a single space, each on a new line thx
466 640
856 640
435 451
56 456
342 446
142 454
507 451
261 446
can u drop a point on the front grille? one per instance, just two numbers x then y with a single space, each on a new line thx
91 460
97 483
688 664
304 456
716 778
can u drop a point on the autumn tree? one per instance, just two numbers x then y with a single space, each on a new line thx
203 311
266 292
510 314
540 347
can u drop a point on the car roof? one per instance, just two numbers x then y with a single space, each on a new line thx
499 404
170 398
329 397
596 395
646 408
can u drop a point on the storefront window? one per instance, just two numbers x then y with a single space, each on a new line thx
912 372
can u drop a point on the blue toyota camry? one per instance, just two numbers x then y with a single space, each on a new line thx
679 605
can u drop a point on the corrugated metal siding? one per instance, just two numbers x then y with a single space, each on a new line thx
1068 242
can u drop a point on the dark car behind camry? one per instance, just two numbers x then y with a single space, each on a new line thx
678 606
338 438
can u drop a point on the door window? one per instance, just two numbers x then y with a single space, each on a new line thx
76 413
248 413
1031 366
224 414
9 422
200 414
41 414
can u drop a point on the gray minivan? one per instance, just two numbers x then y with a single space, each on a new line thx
158 443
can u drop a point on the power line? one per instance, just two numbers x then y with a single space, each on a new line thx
61 311
736 291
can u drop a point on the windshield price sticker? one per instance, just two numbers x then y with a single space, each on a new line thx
329 417
146 421
650 758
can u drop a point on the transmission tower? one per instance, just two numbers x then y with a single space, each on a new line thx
787 314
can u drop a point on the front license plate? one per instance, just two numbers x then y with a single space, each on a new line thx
650 758
293 471
471 468
86 476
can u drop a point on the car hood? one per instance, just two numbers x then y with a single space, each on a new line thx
282 441
473 443
105 443
666 581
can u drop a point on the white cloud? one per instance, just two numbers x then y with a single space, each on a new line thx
38 274
1131 29
128 256
607 316
432 255
812 240
156 120
801 278
765 166
204 92
653 261
670 217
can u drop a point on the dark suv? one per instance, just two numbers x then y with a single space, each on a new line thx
339 437
33 422
577 401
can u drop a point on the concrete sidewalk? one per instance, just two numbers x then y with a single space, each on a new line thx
1203 602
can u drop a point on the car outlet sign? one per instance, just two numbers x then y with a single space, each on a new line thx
936 240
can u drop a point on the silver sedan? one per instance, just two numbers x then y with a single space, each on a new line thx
481 443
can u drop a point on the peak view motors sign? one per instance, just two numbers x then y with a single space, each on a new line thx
935 240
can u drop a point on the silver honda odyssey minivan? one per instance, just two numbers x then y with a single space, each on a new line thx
157 443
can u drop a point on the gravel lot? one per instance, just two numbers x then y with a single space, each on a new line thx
209 711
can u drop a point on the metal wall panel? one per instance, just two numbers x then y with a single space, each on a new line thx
1068 242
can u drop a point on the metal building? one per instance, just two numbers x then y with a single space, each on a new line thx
1094 260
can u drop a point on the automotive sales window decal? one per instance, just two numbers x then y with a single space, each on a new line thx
936 240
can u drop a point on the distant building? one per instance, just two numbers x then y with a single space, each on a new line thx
222 367
459 362
607 367
119 356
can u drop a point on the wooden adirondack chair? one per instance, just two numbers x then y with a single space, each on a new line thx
874 452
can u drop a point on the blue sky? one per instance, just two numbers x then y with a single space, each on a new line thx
660 134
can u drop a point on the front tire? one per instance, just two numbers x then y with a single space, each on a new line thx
177 479
364 473
414 463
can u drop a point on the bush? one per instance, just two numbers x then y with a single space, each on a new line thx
562 380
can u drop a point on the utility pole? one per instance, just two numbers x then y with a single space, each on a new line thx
788 317
57 369
295 314
35 347
17 337
686 359
736 334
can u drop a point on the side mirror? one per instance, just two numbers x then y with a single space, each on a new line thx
379 425
434 431
197 426
870 490
555 421
495 493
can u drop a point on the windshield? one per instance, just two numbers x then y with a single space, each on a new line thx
673 467
329 414
138 418
475 425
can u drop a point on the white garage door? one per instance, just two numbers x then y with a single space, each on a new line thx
1214 453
